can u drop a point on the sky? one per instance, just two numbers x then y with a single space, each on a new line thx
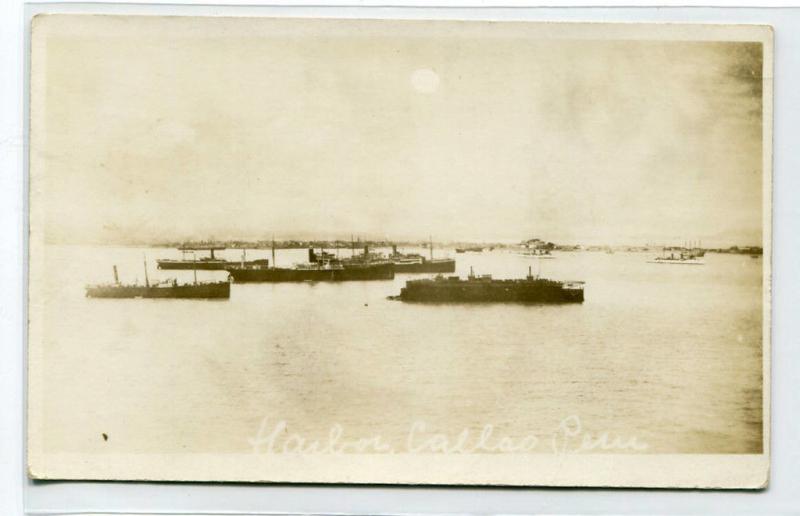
181 128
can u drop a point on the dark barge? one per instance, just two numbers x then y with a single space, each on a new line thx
484 289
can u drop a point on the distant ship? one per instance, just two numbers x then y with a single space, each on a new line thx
484 289
677 259
689 254
162 290
416 263
208 263
473 249
542 254
318 268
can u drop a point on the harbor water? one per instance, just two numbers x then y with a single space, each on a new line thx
669 355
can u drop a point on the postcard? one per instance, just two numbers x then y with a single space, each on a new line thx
371 251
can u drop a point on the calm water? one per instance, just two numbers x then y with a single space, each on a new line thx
670 355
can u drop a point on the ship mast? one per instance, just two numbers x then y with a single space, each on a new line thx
194 268
273 250
116 278
146 280
430 246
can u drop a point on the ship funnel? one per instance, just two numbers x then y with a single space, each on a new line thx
116 278
394 249
312 257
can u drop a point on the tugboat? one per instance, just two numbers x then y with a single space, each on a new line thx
170 289
484 289
208 263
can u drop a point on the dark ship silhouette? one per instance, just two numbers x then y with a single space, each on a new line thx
484 289
161 290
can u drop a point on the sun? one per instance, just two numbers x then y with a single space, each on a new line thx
425 80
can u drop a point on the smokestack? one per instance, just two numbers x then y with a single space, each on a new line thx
394 249
312 257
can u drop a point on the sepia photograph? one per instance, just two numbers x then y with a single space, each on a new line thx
372 251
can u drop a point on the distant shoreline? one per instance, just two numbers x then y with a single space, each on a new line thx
379 244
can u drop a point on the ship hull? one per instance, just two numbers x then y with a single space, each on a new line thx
279 275
489 292
220 290
427 266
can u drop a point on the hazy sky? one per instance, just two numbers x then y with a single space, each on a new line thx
189 128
